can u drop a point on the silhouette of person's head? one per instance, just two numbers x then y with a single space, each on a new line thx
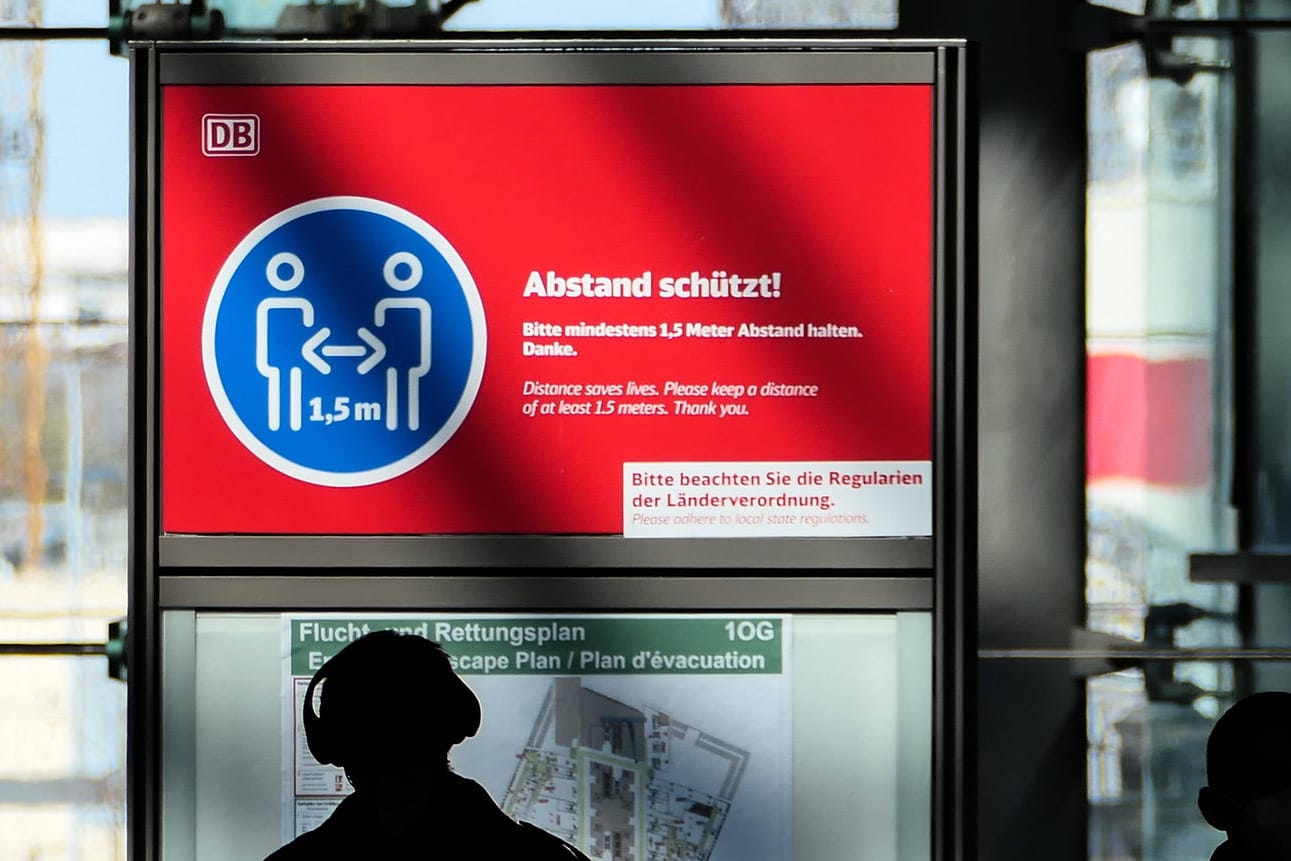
390 708
1248 774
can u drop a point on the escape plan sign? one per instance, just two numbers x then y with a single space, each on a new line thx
650 310
604 730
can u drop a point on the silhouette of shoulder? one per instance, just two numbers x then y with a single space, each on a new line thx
1225 852
468 825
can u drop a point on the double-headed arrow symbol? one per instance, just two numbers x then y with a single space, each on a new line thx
311 348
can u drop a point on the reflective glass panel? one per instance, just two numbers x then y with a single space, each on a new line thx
63 447
264 16
647 736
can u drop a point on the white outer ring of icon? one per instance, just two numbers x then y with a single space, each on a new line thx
475 374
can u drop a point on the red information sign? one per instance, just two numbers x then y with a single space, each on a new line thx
546 309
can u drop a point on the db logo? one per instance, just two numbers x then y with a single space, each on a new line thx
230 134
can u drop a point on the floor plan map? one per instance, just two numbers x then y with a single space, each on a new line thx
622 782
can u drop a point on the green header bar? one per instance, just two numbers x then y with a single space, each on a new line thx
530 645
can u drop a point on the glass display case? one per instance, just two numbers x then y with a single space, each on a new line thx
632 372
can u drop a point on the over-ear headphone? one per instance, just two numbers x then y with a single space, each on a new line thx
386 670
1218 808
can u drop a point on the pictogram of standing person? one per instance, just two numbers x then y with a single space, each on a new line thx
284 260
402 272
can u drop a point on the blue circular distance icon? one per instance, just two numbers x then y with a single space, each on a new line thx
344 341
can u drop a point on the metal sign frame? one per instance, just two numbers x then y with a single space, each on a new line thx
567 573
